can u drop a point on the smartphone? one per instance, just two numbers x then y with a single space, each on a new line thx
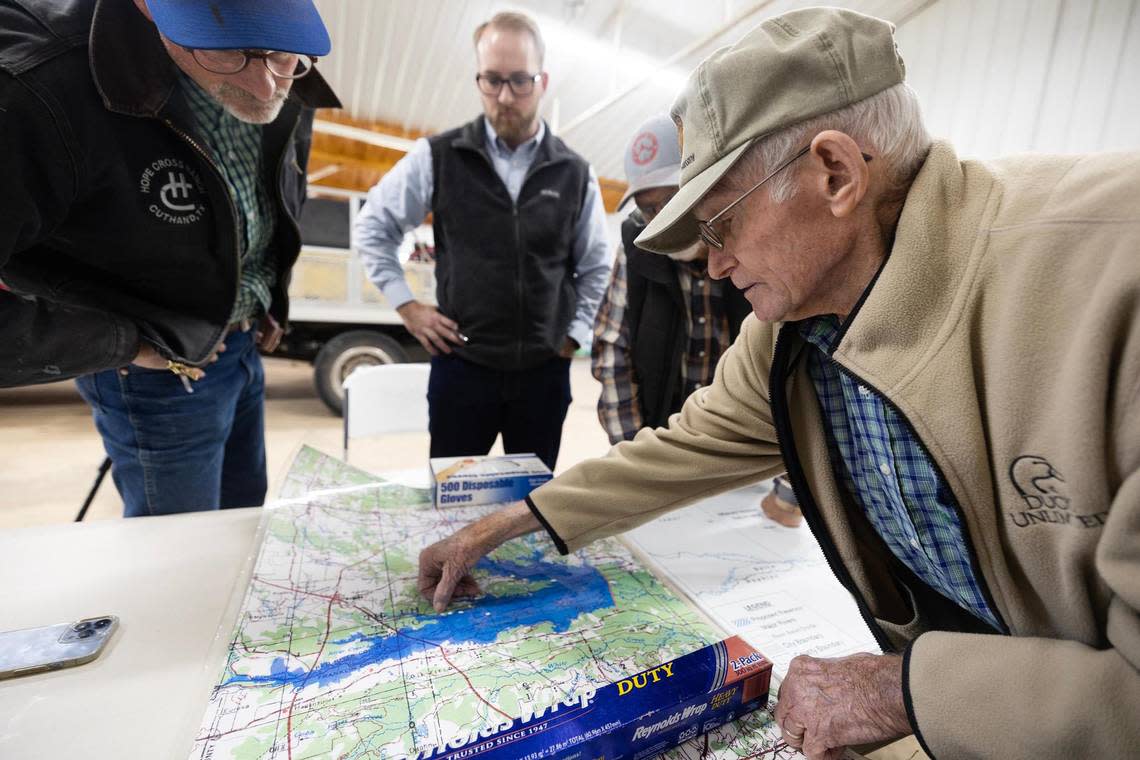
34 650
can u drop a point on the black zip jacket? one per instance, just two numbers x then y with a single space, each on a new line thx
115 224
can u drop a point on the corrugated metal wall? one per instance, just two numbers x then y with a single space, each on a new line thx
1027 75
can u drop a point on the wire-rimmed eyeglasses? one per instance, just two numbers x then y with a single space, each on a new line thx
520 82
710 236
280 64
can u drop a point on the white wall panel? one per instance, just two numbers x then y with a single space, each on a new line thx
995 76
1027 75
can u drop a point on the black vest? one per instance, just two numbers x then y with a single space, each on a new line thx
657 317
504 271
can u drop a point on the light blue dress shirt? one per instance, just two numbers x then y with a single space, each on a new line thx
402 199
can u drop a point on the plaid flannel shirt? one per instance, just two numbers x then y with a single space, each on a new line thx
236 147
883 467
708 337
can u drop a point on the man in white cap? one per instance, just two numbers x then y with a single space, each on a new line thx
154 156
946 361
663 322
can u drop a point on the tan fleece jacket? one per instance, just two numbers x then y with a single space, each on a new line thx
1005 327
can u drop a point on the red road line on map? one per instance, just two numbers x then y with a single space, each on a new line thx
470 685
456 668
324 642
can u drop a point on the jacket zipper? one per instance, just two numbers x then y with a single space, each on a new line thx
519 253
975 566
519 283
786 445
233 218
281 195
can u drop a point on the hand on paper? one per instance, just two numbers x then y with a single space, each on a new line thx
825 705
445 566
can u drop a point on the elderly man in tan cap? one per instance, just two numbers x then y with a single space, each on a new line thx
946 361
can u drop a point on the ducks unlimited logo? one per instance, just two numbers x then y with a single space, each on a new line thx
1045 494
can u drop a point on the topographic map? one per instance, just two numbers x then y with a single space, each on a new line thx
335 655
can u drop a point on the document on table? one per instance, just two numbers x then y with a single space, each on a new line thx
770 584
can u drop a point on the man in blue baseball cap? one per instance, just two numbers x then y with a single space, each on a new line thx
154 174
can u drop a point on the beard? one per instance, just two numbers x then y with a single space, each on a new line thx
244 107
512 125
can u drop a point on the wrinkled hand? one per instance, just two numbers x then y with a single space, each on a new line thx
445 569
445 566
826 705
569 346
269 333
434 331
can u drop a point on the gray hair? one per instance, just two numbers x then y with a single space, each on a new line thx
888 125
515 22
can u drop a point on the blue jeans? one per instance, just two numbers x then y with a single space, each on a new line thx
173 451
469 404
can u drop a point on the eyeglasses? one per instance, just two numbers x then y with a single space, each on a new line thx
521 83
284 65
710 236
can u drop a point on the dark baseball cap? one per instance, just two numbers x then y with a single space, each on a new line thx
291 26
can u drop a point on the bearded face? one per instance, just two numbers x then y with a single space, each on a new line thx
502 53
244 106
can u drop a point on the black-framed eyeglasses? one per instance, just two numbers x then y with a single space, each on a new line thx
280 64
520 82
710 236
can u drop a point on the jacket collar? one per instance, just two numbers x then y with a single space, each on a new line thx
134 74
913 304
652 266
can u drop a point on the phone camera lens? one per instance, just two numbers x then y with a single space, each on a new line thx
103 623
86 633
86 625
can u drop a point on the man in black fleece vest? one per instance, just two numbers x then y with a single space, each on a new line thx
521 256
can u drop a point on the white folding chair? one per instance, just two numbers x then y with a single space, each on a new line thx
385 398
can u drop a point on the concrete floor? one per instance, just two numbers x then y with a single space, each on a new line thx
51 452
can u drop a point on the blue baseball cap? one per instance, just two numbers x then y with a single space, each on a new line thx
291 26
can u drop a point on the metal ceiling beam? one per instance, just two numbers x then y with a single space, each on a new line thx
681 54
363 135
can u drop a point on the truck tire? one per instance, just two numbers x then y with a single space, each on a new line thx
344 353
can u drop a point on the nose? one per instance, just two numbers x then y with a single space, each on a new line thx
720 263
506 94
257 80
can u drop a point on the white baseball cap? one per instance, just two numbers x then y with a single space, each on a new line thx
653 157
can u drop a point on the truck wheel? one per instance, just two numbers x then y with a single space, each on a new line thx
340 356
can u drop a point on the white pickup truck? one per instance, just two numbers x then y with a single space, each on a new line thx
338 320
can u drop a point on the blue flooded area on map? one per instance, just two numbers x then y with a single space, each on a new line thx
560 594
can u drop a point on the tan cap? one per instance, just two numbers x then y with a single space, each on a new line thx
789 69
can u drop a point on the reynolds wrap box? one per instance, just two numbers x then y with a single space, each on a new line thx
637 717
466 481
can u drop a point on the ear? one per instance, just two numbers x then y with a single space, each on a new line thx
545 81
141 5
843 177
